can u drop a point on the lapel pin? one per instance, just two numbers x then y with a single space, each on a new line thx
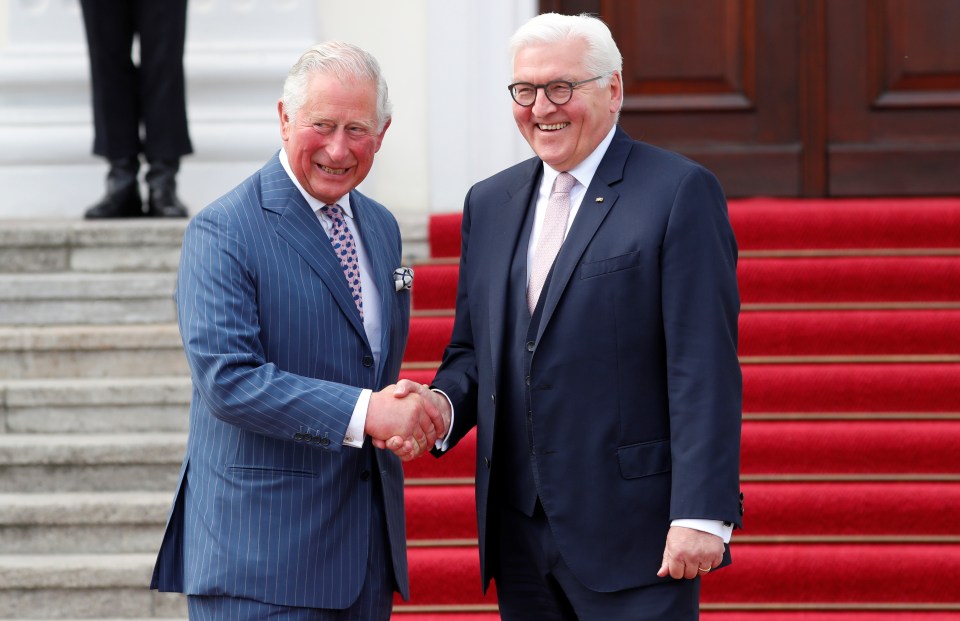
599 199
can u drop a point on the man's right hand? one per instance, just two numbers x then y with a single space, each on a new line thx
404 420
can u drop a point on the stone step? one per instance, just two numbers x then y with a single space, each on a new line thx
138 350
120 246
78 298
78 463
83 523
100 405
83 586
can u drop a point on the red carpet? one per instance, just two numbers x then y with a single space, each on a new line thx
850 350
778 509
787 334
787 224
787 281
818 388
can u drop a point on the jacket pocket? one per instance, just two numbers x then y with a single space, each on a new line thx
644 459
613 264
268 471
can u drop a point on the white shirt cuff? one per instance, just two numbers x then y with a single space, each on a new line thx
441 444
358 422
714 527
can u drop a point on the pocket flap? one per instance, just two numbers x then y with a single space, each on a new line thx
613 264
644 459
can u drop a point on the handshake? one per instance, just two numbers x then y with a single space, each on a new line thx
407 418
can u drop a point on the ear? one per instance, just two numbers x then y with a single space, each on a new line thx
382 133
284 121
616 92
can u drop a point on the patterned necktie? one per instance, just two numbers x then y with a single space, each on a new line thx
346 251
551 236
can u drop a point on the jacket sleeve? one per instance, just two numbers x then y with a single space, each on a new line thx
457 375
216 298
701 305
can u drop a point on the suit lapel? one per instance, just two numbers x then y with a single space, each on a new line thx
373 233
598 200
299 226
508 220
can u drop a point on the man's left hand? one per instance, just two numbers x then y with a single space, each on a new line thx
690 553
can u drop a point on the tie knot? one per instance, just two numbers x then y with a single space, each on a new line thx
564 183
331 210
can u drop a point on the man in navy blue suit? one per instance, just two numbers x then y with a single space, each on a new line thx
289 506
595 352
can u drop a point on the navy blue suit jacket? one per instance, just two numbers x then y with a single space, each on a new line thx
271 506
635 384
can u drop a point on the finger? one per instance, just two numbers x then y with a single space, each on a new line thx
406 387
670 567
664 569
429 431
690 571
432 409
676 569
380 444
422 443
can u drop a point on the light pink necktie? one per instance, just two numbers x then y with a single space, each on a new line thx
346 250
551 236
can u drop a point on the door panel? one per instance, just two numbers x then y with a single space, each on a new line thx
894 88
716 80
795 97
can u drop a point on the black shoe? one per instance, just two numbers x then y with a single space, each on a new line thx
122 199
165 204
162 183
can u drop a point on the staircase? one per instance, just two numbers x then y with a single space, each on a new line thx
94 390
850 348
850 344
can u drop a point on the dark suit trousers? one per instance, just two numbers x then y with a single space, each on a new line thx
126 95
533 582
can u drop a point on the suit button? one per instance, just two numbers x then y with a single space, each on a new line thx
365 475
526 380
493 398
368 361
486 462
325 441
306 437
298 436
531 345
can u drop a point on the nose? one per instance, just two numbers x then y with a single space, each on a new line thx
336 146
541 105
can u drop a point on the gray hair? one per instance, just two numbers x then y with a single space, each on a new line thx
603 56
344 60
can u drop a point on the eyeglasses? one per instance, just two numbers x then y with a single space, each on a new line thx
558 92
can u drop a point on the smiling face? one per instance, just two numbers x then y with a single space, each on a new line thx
563 136
332 140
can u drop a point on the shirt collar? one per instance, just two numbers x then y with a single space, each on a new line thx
585 170
315 204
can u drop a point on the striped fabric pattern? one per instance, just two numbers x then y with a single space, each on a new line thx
271 506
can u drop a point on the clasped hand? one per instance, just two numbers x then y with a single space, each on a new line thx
407 418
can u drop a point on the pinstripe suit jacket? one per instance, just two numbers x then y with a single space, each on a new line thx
270 505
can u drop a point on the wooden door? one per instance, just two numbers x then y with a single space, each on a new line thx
795 97
893 89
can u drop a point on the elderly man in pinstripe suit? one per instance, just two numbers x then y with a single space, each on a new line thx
288 506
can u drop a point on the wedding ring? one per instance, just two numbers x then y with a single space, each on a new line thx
707 570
